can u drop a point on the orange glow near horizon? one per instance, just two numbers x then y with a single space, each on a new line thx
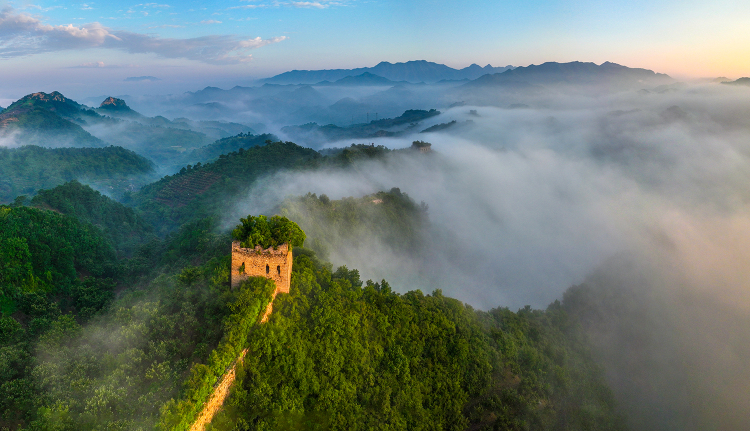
690 62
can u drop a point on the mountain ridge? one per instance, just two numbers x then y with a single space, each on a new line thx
411 71
48 120
573 73
54 102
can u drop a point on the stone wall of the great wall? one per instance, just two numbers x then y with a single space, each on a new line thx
248 262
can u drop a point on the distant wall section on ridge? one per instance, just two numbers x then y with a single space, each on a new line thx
256 262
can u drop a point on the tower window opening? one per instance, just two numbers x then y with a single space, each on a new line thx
278 269
268 269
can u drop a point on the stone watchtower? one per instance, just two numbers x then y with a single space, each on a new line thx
269 263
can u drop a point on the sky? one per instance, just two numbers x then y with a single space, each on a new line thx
90 48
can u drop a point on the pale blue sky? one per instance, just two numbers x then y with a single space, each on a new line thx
93 46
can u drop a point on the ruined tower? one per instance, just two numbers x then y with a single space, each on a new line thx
269 263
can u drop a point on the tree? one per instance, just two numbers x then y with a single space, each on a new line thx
254 231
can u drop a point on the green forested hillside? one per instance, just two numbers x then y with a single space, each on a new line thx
228 145
72 357
340 355
49 120
52 120
316 134
392 217
205 190
337 354
117 107
52 102
120 224
170 143
164 145
46 253
169 341
215 129
37 126
54 270
28 169
348 156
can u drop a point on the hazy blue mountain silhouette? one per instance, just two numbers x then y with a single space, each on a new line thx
366 78
573 73
412 71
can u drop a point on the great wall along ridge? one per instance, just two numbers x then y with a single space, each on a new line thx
247 262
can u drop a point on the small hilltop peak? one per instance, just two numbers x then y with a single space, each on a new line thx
53 102
46 100
115 107
114 104
55 96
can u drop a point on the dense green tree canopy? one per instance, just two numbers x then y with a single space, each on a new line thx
30 168
391 217
265 232
203 190
228 145
120 224
339 354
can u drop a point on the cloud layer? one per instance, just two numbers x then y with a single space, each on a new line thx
321 4
22 35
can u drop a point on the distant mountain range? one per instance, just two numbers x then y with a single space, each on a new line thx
366 78
53 120
519 78
411 71
336 99
573 73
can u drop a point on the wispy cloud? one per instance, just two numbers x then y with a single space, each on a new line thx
321 4
22 35
248 6
309 4
258 42
210 21
91 65
102 65
37 7
151 5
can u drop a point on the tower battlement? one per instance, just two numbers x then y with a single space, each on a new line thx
257 262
